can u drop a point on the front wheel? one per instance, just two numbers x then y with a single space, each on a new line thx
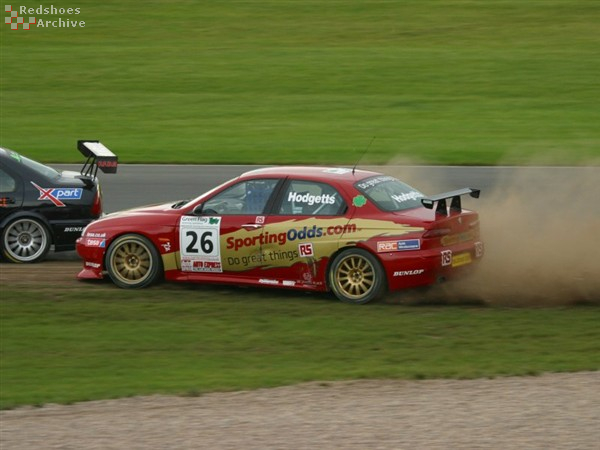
132 261
356 276
25 240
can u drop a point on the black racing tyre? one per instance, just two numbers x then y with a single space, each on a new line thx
25 240
132 261
356 276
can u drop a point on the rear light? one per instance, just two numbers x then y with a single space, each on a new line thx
436 232
97 204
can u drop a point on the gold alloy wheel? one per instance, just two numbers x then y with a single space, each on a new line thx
355 276
131 261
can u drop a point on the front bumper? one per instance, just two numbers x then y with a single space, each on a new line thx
93 258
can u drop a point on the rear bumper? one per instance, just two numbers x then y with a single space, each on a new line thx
425 267
66 232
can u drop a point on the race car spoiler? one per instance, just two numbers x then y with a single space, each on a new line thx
455 205
98 156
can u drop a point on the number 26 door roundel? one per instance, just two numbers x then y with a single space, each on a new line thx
199 244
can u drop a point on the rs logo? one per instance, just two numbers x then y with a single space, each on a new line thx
446 257
305 249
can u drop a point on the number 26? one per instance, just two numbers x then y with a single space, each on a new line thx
206 243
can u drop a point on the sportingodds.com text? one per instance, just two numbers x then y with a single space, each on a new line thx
291 235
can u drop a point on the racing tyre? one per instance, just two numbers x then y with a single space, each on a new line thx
132 261
356 276
25 240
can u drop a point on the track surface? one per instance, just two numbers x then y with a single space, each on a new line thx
558 411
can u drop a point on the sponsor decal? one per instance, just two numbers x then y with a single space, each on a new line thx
406 273
291 235
260 220
389 246
73 229
446 257
92 265
267 257
5 201
200 220
57 195
337 171
456 238
15 155
478 249
359 201
305 250
95 235
199 241
280 244
200 266
289 283
165 244
268 281
398 246
401 198
94 242
310 199
107 164
374 182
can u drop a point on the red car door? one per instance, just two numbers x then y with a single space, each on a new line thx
302 232
224 242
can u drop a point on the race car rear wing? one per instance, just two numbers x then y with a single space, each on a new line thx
455 205
98 156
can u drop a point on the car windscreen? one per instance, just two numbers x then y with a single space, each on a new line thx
389 194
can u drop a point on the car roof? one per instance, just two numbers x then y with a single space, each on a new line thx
312 173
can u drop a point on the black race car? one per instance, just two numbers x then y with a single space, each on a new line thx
40 206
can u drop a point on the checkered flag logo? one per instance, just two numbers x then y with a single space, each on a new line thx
14 20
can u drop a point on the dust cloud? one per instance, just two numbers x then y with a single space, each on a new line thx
541 229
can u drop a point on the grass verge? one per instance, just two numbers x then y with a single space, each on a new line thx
270 82
100 342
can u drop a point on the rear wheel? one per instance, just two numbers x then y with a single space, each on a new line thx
356 276
132 261
25 240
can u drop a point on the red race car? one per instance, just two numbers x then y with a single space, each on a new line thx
354 232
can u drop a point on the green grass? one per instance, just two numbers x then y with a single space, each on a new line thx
100 342
436 81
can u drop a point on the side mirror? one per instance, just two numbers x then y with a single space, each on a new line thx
197 211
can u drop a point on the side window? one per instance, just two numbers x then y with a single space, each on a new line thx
247 197
7 183
310 198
